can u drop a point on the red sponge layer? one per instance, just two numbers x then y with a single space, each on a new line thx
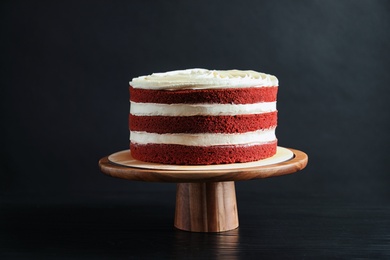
202 124
200 155
222 96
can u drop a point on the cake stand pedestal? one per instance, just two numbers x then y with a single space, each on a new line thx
205 199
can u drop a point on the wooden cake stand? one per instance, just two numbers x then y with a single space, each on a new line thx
205 195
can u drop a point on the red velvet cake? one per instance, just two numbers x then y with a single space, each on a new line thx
198 117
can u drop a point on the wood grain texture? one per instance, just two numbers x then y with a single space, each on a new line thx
205 200
297 163
206 207
293 224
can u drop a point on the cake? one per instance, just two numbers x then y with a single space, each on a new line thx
202 117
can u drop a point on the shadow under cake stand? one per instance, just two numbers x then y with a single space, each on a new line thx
205 195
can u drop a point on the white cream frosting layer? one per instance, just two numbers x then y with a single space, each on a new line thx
156 109
205 139
204 79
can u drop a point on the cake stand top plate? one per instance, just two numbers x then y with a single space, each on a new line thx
114 166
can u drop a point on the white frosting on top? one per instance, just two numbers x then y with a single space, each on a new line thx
204 79
205 139
154 109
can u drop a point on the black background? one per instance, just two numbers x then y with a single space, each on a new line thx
64 105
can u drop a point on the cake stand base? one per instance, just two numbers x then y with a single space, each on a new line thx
206 207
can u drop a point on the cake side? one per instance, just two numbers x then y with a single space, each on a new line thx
220 96
205 124
202 155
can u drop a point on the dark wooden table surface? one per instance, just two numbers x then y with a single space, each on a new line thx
139 225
